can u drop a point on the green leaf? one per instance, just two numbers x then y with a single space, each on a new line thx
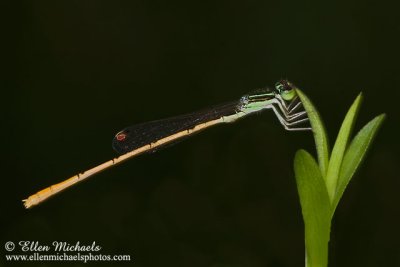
320 137
355 155
315 206
340 146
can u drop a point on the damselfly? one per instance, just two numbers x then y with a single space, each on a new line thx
150 136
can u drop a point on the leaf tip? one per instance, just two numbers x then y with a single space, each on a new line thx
359 99
382 116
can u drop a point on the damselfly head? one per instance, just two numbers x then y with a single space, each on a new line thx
286 90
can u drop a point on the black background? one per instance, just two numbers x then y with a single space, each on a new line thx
76 72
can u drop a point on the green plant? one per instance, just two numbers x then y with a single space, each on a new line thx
321 186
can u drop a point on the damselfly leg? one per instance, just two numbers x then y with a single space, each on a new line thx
285 115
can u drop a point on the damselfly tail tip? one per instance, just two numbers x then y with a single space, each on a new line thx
27 203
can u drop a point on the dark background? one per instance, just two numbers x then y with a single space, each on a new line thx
76 72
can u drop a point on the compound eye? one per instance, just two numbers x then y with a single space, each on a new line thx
279 86
283 86
286 90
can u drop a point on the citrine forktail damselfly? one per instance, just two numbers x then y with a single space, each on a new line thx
150 136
